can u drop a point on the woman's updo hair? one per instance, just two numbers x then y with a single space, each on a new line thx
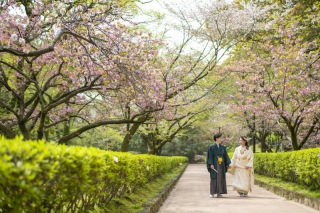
218 135
245 139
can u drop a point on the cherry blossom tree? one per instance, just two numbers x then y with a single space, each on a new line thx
283 80
74 60
216 35
255 119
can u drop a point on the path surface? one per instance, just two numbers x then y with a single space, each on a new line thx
191 195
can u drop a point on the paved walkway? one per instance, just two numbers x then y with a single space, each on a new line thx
191 195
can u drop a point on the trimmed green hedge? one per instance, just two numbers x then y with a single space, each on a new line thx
39 177
298 166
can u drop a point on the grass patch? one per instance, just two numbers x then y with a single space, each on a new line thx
131 203
309 191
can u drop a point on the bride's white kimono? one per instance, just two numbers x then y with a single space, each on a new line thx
243 179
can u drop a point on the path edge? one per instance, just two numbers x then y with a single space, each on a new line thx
154 204
290 195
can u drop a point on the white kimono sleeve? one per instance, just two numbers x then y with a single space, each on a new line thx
234 159
250 157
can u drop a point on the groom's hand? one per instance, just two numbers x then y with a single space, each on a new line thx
212 167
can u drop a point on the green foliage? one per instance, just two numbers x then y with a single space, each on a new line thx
300 188
40 177
301 167
186 146
230 154
133 202
102 138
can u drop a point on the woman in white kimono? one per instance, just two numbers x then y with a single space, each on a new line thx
242 166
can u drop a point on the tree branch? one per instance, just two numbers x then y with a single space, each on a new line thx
94 125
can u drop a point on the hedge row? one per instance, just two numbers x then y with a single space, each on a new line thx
39 177
298 166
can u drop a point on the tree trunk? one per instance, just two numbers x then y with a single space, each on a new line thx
294 139
7 132
132 131
127 138
263 140
24 130
156 150
263 144
41 126
47 130
66 131
311 129
151 151
152 146
159 151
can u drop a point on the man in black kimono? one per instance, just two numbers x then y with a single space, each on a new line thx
217 164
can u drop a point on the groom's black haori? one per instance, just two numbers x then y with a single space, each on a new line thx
218 184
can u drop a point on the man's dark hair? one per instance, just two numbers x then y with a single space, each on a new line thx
218 135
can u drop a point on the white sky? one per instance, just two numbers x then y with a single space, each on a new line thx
158 6
173 36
